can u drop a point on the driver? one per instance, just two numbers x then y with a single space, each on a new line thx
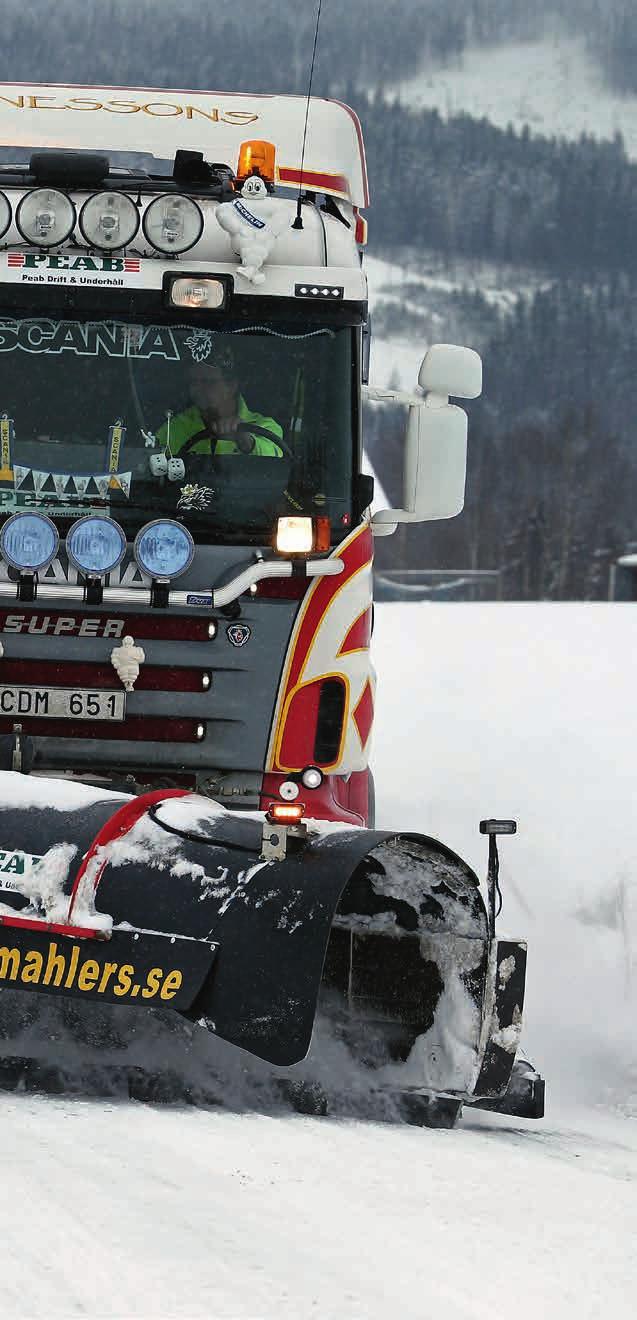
218 420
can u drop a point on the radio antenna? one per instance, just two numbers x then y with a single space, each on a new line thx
298 222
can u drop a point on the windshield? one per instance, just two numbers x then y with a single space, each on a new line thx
223 429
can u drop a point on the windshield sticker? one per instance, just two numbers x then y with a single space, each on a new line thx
88 339
127 574
195 497
17 267
200 344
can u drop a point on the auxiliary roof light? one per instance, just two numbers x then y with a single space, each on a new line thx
173 223
96 545
5 214
29 541
164 549
257 158
45 217
109 220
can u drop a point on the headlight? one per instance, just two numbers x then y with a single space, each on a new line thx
164 549
29 541
96 545
109 220
173 223
45 217
5 214
294 535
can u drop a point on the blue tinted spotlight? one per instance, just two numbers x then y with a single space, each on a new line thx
96 545
28 542
164 549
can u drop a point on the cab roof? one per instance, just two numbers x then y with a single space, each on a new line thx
159 121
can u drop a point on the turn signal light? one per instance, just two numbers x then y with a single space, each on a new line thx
322 533
257 158
285 813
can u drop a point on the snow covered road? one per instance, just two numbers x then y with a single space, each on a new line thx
114 1209
122 1210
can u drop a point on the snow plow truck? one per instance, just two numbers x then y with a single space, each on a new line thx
186 546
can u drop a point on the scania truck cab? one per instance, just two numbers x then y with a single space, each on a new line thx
186 546
186 539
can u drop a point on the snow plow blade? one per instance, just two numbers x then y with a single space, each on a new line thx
168 901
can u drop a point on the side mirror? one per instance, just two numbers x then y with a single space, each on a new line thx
435 462
435 468
436 440
448 369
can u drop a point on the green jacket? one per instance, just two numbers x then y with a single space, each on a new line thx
189 434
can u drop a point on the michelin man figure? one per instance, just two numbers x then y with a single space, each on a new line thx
254 221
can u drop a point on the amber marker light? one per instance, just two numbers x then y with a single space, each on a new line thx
322 533
285 813
257 158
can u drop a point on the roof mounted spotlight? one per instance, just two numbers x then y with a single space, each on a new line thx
173 223
5 214
45 217
109 220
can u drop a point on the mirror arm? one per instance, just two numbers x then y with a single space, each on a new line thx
374 394
432 400
385 521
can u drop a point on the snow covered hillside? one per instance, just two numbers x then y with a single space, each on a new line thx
551 86
420 290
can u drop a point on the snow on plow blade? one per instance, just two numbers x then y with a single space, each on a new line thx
165 901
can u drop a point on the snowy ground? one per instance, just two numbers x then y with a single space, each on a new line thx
551 85
138 1212
125 1209
527 710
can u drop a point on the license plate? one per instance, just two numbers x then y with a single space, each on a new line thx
61 703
